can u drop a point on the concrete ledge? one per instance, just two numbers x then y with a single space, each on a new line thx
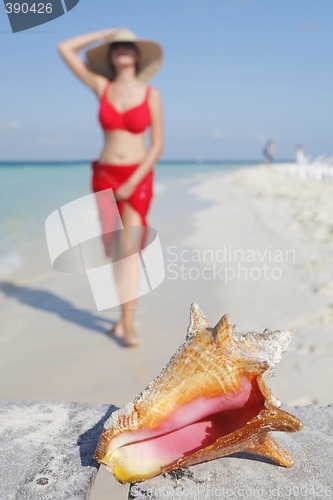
248 476
46 449
46 452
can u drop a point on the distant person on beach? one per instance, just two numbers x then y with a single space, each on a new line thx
300 157
269 152
117 71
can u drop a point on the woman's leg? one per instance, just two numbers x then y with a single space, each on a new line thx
128 273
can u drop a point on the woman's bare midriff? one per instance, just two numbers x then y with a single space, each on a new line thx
123 148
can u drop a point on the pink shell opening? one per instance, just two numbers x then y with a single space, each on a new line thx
195 426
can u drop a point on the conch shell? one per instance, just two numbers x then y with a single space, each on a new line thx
210 400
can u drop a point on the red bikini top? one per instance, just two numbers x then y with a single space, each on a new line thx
135 119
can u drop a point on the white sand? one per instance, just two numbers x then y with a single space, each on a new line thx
52 341
261 209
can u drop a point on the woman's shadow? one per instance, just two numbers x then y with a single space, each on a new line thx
48 301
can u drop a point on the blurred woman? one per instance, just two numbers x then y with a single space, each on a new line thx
117 71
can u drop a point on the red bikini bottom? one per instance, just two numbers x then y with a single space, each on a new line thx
106 176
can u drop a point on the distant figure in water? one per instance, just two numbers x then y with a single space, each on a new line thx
301 159
269 152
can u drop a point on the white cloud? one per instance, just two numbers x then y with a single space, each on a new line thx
10 125
259 137
218 134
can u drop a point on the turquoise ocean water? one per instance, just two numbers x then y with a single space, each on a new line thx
30 191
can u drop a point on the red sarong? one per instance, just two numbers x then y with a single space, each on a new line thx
106 176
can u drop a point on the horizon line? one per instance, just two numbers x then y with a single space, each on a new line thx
173 160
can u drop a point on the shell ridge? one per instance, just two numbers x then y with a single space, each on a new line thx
198 321
222 331
268 345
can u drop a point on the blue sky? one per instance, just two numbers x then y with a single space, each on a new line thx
235 73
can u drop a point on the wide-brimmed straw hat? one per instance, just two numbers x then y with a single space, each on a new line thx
150 57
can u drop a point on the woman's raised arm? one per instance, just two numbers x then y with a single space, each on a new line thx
68 50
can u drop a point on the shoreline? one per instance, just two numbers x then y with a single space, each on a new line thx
24 220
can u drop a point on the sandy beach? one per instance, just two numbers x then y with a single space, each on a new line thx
255 243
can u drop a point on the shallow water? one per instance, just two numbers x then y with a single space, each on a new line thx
30 191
